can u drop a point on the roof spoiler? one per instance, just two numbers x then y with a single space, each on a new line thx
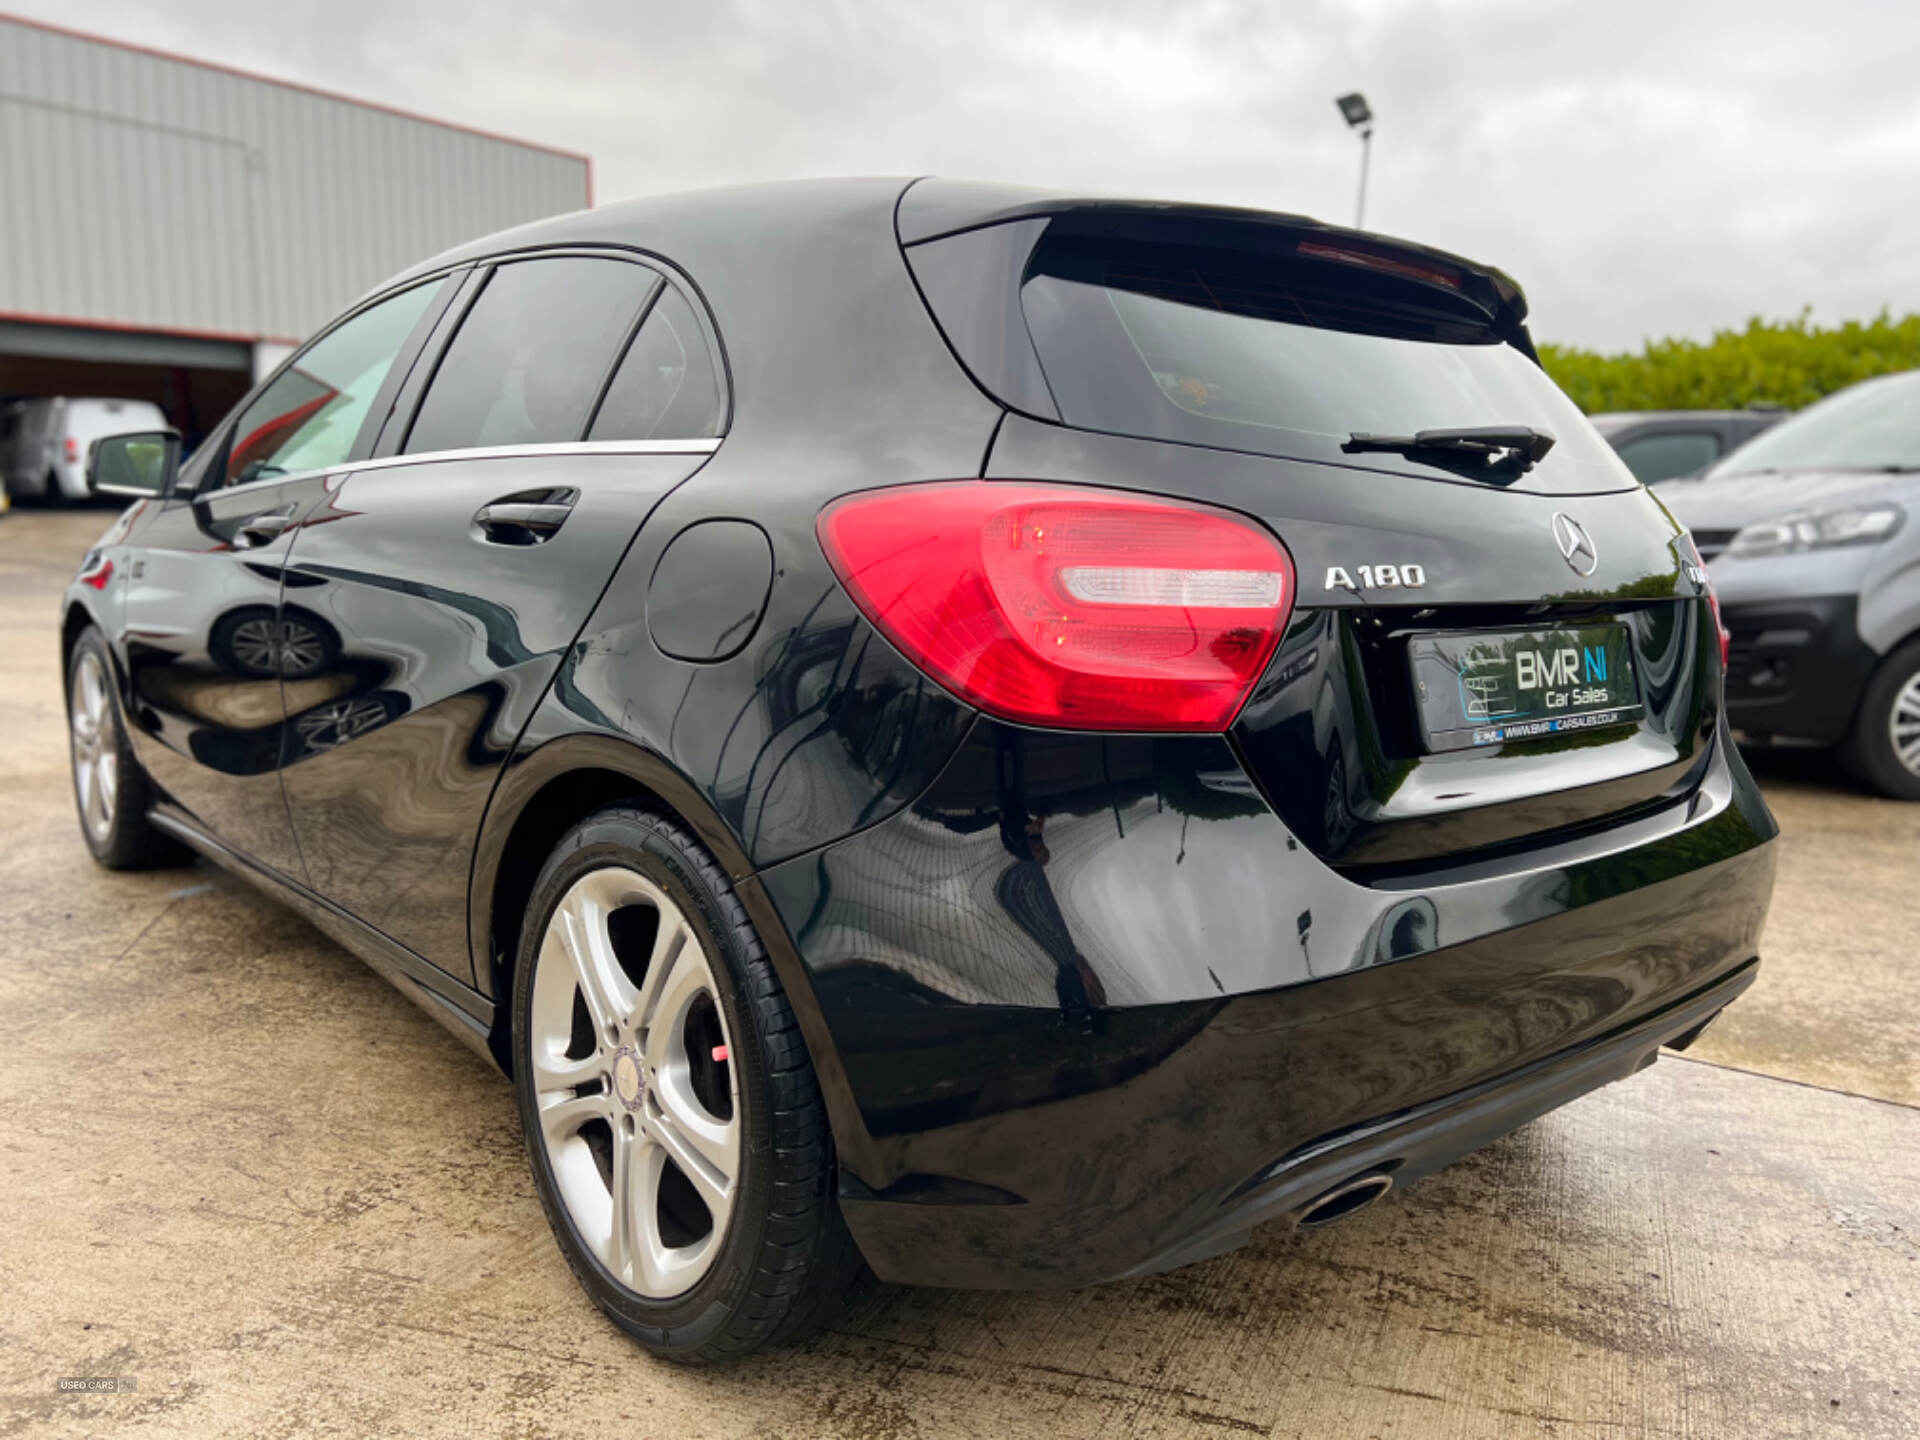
932 209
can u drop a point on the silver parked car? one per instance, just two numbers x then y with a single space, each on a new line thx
44 442
1811 536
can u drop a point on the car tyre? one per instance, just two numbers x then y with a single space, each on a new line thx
109 787
1884 747
622 1085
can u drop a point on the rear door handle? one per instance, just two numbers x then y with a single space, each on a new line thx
523 522
265 529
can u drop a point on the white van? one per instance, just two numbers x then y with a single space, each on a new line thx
43 443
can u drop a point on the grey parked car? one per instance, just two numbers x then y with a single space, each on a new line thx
1810 537
1665 444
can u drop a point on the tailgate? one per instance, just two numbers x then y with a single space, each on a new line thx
1333 733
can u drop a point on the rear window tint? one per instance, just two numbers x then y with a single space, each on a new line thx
666 387
1279 354
527 363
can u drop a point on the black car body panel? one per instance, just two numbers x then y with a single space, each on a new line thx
1070 1034
446 666
1080 1003
208 720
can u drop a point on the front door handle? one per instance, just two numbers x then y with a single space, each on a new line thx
525 520
265 529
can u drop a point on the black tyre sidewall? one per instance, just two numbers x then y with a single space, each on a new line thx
130 842
681 1325
1870 749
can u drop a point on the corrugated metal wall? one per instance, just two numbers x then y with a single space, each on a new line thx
143 191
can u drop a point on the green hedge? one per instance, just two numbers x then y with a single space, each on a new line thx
1777 362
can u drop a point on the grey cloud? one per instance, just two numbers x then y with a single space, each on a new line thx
1643 168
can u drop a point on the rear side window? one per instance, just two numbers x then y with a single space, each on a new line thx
529 359
666 387
1281 353
1678 452
310 415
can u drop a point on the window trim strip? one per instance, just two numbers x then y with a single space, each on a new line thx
620 354
703 446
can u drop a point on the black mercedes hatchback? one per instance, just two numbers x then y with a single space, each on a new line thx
985 737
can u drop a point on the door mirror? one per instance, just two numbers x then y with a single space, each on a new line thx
134 465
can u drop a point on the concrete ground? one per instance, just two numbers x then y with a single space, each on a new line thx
240 1169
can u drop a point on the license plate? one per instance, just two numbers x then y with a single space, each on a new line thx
1492 688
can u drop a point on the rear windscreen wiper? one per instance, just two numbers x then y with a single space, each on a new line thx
1516 447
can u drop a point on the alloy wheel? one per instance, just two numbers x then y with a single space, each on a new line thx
638 1104
1903 724
338 722
96 755
270 646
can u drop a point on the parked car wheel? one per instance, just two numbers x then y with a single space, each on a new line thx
674 1124
256 640
333 724
1884 749
108 784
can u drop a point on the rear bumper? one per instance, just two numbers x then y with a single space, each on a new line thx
1796 667
1416 1143
1099 1014
1018 1246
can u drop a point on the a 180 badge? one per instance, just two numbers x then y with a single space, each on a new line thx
1377 577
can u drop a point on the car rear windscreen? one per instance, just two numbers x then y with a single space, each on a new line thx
1283 354
1874 425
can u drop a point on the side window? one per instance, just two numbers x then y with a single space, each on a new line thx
666 388
528 360
1678 452
308 418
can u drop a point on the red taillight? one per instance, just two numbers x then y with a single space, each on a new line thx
1373 260
1056 605
1726 635
73 450
1691 553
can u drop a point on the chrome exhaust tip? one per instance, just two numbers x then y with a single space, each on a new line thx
1343 1200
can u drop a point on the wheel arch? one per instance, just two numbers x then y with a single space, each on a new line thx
1901 642
73 624
544 793
1889 614
77 618
1897 641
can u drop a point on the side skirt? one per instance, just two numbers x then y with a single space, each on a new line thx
464 1011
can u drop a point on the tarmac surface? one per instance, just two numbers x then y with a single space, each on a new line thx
243 1171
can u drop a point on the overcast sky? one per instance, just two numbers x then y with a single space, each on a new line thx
1644 169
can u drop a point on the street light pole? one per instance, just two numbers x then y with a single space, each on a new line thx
1359 116
1366 153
